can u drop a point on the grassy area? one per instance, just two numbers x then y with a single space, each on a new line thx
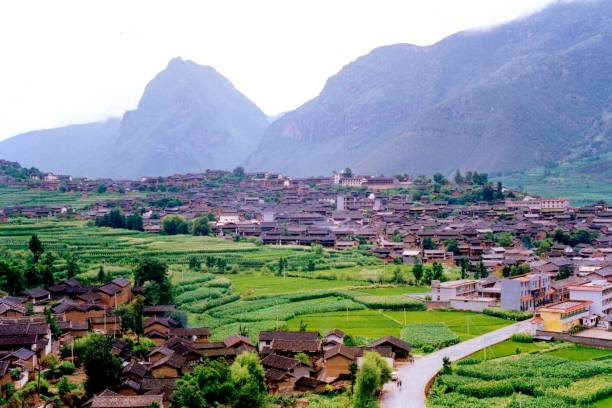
30 197
394 290
582 181
604 403
376 323
582 353
508 348
258 285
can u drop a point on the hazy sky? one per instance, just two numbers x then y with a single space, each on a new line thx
66 62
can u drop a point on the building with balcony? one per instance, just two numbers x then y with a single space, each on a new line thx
526 292
561 317
598 292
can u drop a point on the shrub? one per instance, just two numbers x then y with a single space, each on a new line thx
522 338
67 368
508 314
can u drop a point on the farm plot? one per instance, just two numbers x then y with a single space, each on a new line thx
535 380
429 336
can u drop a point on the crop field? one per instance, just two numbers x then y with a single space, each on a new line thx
371 324
543 379
30 197
350 290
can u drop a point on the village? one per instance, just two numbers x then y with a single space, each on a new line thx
523 257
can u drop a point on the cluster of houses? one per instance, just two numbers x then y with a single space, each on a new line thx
293 361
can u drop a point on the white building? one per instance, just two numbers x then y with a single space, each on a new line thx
445 291
599 292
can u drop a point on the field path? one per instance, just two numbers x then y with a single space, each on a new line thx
417 375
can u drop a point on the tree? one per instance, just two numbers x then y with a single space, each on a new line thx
136 309
465 266
134 222
458 177
238 172
453 246
371 377
303 326
282 265
397 275
348 172
194 263
302 358
482 270
72 266
438 178
102 367
101 275
564 273
427 275
153 275
47 269
417 271
397 236
505 239
487 193
207 386
55 329
429 243
36 247
174 224
12 278
446 365
101 189
437 271
249 381
311 265
200 226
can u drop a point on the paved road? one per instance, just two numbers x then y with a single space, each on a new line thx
415 376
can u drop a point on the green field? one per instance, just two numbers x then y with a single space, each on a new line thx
258 285
581 353
508 348
582 181
249 293
78 200
568 377
375 323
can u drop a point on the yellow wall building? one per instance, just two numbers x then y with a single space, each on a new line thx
561 317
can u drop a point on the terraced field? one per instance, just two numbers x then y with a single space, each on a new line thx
348 290
31 197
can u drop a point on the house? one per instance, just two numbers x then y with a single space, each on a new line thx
333 338
400 348
337 362
105 324
109 399
116 292
598 292
79 312
168 367
25 334
266 337
5 375
445 291
526 292
563 316
194 334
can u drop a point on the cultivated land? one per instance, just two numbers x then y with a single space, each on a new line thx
551 375
10 196
348 290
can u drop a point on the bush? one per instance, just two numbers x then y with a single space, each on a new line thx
67 368
522 338
508 314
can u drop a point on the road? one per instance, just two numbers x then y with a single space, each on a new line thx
415 376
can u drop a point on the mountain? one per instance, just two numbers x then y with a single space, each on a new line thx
528 92
67 150
190 118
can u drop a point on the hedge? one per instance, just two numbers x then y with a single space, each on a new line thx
514 315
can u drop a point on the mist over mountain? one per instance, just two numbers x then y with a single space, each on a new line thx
521 94
526 93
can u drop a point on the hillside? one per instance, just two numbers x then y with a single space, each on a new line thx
190 118
67 150
531 91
